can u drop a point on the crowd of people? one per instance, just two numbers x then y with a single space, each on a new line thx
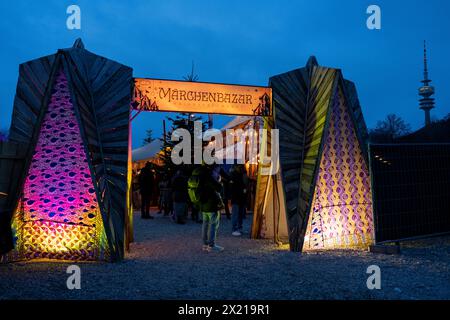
203 191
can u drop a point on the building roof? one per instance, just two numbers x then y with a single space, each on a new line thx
436 132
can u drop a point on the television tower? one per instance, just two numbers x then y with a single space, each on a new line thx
426 91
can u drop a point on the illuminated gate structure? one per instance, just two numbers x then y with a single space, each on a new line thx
72 115
323 159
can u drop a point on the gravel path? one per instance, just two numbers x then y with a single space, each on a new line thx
166 262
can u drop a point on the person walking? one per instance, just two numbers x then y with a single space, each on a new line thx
180 196
238 199
246 187
195 216
166 195
135 188
161 188
204 191
146 180
225 180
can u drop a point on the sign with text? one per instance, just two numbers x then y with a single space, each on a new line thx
201 97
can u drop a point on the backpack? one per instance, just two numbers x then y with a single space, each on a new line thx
195 189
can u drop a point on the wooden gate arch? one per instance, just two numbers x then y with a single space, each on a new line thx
96 96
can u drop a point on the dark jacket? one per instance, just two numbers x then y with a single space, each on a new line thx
237 187
211 200
226 192
179 188
146 181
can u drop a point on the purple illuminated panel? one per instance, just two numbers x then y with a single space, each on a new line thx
59 185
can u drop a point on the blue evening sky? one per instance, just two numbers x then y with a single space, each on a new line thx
243 42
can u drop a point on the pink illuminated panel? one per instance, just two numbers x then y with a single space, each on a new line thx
59 185
58 215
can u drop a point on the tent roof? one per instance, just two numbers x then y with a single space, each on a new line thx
148 151
237 121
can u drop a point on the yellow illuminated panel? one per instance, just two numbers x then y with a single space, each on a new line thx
341 213
58 241
201 97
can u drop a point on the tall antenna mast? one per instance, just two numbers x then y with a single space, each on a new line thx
426 91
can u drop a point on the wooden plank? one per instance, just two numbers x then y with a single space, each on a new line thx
290 91
103 93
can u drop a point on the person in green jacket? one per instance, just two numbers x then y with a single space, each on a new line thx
209 203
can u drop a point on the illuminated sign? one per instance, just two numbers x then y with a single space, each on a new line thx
201 97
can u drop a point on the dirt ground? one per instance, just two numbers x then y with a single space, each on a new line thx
166 262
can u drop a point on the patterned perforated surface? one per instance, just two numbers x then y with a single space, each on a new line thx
58 215
341 214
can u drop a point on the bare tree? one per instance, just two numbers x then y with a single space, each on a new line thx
389 129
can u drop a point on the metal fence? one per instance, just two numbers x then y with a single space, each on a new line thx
11 165
411 190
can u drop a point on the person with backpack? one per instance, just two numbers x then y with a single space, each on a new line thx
166 195
145 187
204 192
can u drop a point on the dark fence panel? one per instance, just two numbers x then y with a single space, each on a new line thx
411 185
12 157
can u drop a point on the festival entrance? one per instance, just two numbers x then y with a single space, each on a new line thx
251 147
72 118
68 195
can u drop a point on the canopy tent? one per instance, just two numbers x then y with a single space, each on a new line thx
241 146
237 122
147 153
